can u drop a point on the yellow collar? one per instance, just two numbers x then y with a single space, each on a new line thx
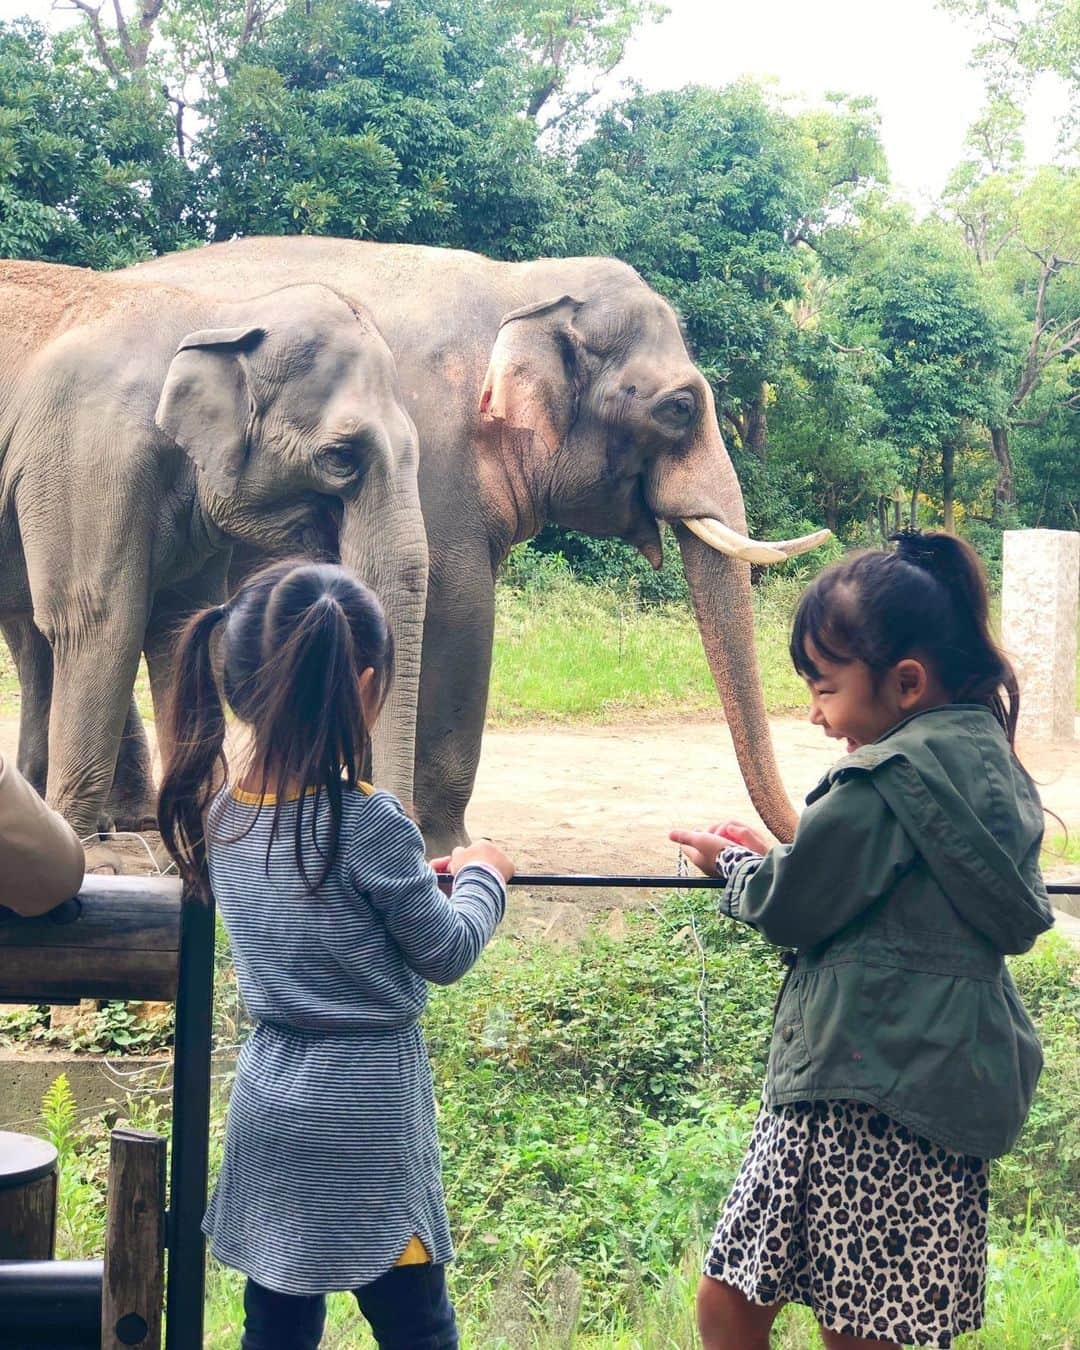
270 798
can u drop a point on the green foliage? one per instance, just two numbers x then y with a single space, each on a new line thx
114 1028
591 1130
376 121
1041 1177
80 1203
87 174
604 562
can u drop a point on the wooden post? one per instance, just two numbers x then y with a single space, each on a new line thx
118 938
1039 608
133 1288
28 1176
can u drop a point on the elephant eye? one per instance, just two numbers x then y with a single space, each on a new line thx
338 460
677 411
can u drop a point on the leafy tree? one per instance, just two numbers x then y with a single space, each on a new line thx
708 193
383 121
571 48
86 173
919 302
1021 41
723 201
1024 229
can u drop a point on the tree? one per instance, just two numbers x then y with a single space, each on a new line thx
707 192
383 121
1022 39
86 173
572 47
919 302
1024 230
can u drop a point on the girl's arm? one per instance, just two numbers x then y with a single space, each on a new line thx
440 936
849 851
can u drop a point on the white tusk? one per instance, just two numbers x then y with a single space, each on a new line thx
729 541
791 548
726 540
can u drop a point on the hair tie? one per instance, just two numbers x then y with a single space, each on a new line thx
912 546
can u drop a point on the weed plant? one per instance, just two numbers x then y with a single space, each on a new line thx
594 1104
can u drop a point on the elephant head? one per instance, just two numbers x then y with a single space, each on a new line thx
608 428
292 414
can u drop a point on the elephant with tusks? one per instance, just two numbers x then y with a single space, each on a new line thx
558 390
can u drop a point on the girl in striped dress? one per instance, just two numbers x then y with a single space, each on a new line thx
331 1174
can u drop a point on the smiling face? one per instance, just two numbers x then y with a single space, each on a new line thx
853 704
846 704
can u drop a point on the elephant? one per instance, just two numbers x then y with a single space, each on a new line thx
144 432
556 390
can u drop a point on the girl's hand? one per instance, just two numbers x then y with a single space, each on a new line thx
743 835
702 847
483 851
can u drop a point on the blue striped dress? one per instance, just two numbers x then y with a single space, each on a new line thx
331 1163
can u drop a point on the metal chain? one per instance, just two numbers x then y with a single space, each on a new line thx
682 869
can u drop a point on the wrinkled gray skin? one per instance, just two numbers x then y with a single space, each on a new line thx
584 409
143 432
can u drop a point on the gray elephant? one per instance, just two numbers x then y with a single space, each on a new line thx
558 390
143 432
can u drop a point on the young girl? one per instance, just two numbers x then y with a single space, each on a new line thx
331 1176
901 1058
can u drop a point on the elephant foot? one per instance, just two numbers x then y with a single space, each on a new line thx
135 821
101 860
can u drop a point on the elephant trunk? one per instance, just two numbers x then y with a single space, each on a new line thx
383 541
720 591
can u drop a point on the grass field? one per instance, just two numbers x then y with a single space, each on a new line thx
568 651
594 1106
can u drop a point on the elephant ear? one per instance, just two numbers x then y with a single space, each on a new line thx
206 404
532 380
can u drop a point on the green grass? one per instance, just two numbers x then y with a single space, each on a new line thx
1062 850
591 1130
569 651
589 653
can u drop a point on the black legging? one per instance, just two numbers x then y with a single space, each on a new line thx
408 1309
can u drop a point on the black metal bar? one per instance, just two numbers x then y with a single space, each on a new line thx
50 1304
191 1128
669 883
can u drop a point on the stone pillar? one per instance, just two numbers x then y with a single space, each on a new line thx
1040 589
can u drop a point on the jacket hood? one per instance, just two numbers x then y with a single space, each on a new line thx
967 804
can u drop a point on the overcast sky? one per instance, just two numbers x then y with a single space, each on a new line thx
908 55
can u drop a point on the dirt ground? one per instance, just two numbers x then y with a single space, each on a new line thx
602 799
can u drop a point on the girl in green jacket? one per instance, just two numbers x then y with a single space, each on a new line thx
902 1059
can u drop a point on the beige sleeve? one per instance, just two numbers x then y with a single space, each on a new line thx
41 860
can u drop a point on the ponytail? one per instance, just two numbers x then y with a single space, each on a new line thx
310 735
974 664
194 740
299 636
928 597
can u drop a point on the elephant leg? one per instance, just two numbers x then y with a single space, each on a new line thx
92 682
34 665
133 799
454 672
131 803
170 611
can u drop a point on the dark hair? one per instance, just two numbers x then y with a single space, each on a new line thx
927 598
294 641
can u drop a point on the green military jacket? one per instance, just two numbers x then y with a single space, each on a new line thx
914 871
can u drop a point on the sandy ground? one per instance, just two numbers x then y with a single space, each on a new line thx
602 799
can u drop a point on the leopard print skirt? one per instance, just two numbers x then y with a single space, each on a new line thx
880 1232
